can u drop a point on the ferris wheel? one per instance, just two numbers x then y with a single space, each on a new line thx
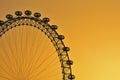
31 49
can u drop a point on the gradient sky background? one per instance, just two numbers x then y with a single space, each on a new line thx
92 31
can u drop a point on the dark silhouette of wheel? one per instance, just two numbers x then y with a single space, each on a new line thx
27 54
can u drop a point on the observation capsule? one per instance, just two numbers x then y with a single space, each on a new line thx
61 37
9 16
69 62
45 20
37 15
1 22
28 12
54 27
71 77
66 49
18 13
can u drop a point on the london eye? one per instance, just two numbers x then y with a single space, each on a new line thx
32 49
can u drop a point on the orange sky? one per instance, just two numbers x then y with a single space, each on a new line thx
92 31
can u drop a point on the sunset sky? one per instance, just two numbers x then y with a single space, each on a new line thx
91 29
